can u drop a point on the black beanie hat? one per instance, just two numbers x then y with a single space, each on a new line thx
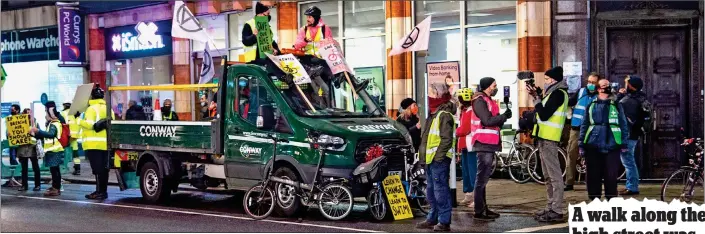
555 73
485 83
636 82
407 102
260 8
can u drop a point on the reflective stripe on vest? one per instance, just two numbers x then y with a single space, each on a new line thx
311 48
553 128
54 145
434 138
612 119
251 51
584 100
486 135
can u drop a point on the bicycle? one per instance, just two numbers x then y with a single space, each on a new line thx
533 163
413 182
691 176
581 168
514 161
334 198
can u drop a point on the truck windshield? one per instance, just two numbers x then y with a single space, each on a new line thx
329 100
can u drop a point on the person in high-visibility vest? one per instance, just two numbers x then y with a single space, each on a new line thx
53 150
551 111
436 150
579 101
95 144
485 123
167 113
73 150
27 154
603 135
250 37
313 32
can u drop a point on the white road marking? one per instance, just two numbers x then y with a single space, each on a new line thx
194 213
540 228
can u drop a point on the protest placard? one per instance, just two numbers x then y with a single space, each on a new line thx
290 65
264 36
331 52
396 197
18 130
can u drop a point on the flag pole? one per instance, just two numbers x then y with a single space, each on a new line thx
355 96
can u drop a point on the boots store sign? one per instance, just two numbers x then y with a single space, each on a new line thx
144 39
28 45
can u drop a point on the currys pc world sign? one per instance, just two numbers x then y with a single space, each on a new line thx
144 39
72 40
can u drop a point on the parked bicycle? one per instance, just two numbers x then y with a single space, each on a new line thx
515 161
686 184
581 167
333 196
533 162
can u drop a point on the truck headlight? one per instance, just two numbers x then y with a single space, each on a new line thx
333 143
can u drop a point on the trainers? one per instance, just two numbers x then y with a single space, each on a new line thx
471 204
37 188
52 192
22 189
467 200
540 213
627 192
441 228
425 225
568 188
551 216
492 214
97 196
482 217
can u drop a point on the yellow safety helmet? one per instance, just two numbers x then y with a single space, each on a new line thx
464 94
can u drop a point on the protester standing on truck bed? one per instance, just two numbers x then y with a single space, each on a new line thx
135 112
167 113
53 150
95 143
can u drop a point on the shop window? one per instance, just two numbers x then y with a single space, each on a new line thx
136 72
215 27
329 14
445 13
487 12
444 46
363 18
365 52
236 22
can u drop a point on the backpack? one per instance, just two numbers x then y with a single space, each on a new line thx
527 120
646 110
65 135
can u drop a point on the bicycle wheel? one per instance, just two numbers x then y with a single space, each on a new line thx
378 204
535 169
259 202
419 195
518 167
495 161
336 201
624 172
684 185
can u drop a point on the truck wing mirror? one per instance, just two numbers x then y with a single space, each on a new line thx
265 119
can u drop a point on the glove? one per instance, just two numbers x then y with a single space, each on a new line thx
78 114
508 113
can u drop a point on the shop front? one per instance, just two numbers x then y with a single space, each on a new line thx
137 55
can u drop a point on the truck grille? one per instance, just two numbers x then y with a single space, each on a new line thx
395 160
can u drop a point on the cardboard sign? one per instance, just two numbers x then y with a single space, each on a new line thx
18 130
331 52
290 65
396 196
264 36
80 99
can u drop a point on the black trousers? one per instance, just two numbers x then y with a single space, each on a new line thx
100 165
25 170
602 168
484 171
55 177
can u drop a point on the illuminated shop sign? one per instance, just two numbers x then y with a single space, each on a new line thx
144 39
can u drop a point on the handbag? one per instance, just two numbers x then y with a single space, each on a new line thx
40 149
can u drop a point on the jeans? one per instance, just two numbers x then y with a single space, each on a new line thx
630 167
468 163
438 192
99 161
484 171
601 167
551 166
25 170
13 156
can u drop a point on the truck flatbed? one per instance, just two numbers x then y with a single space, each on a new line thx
171 136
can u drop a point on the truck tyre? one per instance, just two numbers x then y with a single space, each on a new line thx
154 188
289 203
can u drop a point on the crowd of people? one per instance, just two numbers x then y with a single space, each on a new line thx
605 127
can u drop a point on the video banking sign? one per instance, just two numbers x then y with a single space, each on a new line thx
144 39
28 45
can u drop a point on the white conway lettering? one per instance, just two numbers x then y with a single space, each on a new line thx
370 128
158 131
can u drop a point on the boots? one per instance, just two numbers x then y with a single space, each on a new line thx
77 169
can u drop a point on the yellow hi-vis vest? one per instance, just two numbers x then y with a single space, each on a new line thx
251 51
311 48
54 145
73 126
94 140
553 128
434 139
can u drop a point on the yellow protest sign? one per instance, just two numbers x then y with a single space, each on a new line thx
18 130
396 197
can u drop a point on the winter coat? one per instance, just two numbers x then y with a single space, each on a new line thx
135 112
601 137
480 108
631 103
414 132
447 123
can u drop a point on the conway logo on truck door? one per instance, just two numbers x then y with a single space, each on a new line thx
158 131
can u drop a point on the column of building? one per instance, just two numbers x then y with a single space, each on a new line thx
287 17
399 72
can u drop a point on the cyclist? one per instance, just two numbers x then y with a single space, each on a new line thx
468 157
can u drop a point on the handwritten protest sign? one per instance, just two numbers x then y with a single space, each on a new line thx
290 65
397 197
331 52
264 36
18 130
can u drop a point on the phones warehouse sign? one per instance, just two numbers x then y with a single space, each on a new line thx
30 45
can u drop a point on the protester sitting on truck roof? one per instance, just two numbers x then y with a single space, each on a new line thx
167 113
135 112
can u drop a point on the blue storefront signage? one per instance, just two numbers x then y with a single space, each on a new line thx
144 39
72 35
5 108
28 45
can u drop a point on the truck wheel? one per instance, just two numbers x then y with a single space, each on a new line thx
154 189
289 203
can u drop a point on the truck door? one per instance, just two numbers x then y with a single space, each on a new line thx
247 148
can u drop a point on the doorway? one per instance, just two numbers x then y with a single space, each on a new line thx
659 57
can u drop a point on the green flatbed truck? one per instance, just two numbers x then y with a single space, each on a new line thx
234 148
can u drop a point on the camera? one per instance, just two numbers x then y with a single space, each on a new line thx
528 77
615 87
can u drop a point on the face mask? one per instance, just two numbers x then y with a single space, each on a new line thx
494 92
13 112
269 18
591 87
607 91
204 103
166 109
